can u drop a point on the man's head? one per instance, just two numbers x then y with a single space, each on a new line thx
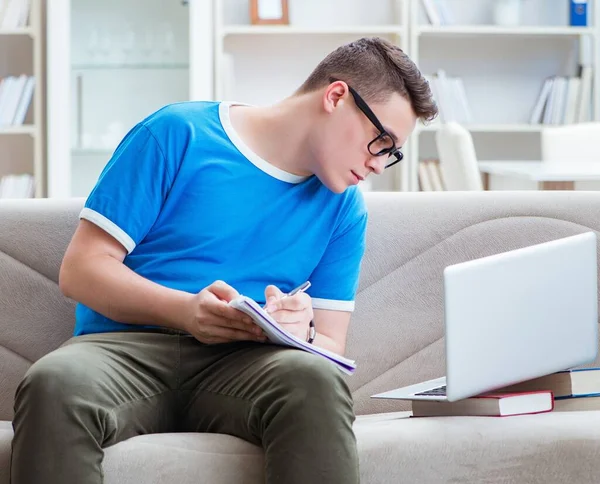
370 97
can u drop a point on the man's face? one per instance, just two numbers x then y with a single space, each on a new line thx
346 151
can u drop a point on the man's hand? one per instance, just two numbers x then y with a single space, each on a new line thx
294 313
211 320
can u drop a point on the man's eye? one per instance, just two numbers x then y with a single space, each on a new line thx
384 141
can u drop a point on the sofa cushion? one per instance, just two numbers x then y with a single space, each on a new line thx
548 448
6 434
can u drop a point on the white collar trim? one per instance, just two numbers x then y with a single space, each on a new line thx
256 160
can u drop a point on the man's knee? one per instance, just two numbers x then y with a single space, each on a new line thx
311 379
52 379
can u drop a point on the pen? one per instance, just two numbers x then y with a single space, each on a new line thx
301 288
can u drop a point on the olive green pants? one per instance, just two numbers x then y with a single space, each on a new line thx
97 390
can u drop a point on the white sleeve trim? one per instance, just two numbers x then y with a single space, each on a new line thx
333 304
108 226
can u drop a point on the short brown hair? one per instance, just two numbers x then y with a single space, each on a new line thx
375 68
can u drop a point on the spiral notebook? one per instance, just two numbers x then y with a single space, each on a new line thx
280 336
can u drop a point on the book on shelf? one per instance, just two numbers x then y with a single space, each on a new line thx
430 176
17 186
569 383
450 95
437 12
494 404
16 94
278 335
564 100
14 13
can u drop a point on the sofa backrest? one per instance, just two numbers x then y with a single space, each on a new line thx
34 316
396 334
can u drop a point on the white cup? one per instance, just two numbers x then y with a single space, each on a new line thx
507 12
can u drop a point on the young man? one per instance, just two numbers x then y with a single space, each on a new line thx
200 202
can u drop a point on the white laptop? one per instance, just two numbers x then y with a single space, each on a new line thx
514 316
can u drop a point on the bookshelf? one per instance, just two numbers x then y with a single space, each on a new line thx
503 69
219 54
22 123
503 66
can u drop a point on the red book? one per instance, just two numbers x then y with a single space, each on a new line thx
488 405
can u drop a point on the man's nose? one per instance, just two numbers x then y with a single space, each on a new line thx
377 164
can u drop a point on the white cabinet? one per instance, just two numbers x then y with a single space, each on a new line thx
503 68
110 64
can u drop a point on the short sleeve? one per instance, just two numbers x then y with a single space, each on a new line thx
131 189
334 281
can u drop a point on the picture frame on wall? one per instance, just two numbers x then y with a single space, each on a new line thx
269 12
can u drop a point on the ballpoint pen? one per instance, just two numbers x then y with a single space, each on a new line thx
301 288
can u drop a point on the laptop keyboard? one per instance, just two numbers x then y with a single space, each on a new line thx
439 391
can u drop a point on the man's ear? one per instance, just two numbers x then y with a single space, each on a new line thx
334 95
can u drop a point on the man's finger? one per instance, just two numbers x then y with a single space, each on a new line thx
297 302
226 312
223 291
288 317
273 292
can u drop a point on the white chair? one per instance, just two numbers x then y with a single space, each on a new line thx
571 143
458 160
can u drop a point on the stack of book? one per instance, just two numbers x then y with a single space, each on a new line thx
430 176
437 12
451 97
14 13
17 186
15 97
564 100
572 389
569 390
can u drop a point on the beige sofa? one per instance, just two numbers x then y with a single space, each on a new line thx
396 337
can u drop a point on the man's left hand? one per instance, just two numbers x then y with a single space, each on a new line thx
294 313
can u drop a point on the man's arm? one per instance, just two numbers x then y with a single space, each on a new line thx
295 313
93 273
332 329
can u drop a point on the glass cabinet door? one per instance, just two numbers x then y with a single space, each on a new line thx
127 59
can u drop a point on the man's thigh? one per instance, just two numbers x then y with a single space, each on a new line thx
128 380
236 388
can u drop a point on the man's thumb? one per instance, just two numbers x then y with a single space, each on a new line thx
273 292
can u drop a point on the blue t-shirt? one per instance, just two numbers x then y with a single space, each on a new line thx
192 204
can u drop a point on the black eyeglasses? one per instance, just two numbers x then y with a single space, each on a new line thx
383 144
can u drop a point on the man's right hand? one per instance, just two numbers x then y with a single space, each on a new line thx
211 320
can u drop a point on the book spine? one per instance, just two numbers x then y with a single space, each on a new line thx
578 13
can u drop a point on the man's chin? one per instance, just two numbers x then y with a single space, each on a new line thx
336 185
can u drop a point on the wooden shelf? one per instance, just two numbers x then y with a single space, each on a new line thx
26 31
22 129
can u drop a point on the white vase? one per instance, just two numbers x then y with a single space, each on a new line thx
507 12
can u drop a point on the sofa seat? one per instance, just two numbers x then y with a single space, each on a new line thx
547 448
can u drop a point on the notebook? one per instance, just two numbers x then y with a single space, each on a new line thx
280 336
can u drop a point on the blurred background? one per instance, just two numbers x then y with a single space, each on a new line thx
515 81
